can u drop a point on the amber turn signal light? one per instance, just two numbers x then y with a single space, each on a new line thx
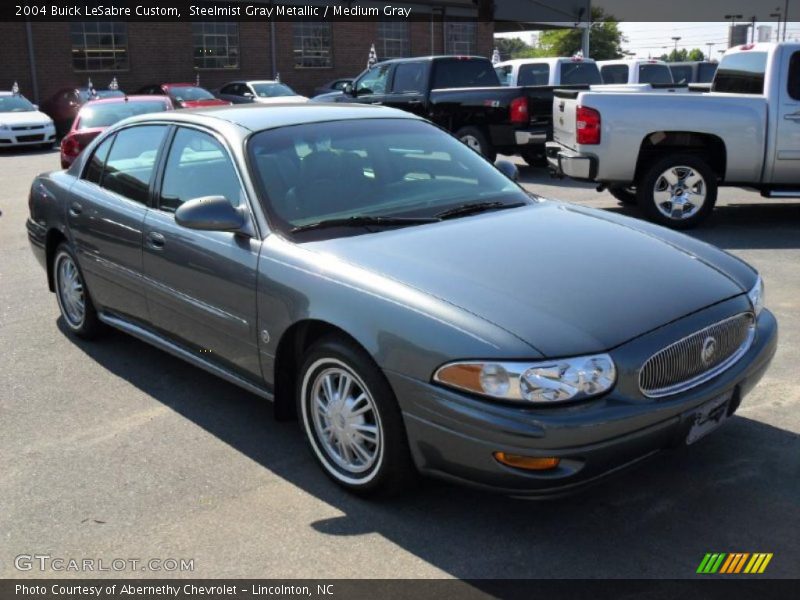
529 463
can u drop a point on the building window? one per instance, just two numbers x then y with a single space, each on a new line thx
393 40
216 45
312 45
99 45
460 38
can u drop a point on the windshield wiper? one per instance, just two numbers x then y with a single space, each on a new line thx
473 208
365 221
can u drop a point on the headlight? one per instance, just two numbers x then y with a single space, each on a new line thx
756 296
542 381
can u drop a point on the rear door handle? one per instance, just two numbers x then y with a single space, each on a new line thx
75 209
792 116
155 240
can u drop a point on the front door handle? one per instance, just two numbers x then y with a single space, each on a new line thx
792 116
75 209
155 240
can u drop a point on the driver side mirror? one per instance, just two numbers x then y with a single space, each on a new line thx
509 169
211 213
349 90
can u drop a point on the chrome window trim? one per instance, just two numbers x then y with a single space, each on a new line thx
705 375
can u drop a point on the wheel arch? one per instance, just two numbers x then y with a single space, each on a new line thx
54 238
657 144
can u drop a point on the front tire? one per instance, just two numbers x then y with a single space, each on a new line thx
352 420
475 139
678 191
72 295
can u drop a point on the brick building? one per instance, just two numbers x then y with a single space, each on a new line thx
305 54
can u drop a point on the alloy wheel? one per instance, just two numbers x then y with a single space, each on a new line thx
679 192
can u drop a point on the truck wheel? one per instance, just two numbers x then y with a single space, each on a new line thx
534 158
474 138
626 195
678 191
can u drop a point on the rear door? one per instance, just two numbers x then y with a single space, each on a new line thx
409 83
786 168
107 213
201 285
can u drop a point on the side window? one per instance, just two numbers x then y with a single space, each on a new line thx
228 89
409 77
94 170
132 160
794 76
533 74
503 74
374 80
198 165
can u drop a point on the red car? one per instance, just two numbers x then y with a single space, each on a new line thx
97 115
184 95
64 105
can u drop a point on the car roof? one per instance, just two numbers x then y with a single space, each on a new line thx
255 117
545 59
124 99
631 61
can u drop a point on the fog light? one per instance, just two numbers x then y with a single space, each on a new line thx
530 463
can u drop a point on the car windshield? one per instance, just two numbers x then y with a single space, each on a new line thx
106 114
189 93
272 90
386 168
15 104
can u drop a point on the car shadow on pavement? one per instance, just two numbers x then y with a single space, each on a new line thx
736 490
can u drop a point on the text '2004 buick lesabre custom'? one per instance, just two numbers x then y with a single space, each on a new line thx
414 307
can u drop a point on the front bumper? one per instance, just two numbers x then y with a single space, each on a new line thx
575 165
35 137
454 436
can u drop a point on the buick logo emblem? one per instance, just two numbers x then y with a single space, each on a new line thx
709 350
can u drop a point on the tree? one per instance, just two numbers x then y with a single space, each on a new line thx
510 47
684 55
605 39
696 54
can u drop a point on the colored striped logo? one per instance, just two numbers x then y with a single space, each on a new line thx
733 563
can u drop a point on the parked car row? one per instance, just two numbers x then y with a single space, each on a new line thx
669 153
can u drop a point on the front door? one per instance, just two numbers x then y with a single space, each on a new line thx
201 285
106 214
372 86
786 167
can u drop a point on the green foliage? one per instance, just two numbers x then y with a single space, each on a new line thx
510 47
605 39
684 55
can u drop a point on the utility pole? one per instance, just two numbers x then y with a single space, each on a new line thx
785 18
777 14
753 29
675 39
710 46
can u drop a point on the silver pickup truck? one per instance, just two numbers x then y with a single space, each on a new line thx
669 152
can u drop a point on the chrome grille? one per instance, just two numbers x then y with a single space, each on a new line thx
697 357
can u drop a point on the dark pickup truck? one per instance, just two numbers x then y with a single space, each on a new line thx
463 95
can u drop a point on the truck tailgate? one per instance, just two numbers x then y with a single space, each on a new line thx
565 103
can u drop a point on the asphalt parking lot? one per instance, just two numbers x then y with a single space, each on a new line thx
114 449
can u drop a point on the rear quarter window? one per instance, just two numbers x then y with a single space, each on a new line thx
741 73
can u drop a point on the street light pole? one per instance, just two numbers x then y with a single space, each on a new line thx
710 46
675 39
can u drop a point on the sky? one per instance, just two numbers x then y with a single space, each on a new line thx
654 39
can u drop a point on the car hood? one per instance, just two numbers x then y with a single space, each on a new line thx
30 117
566 280
329 97
282 100
209 102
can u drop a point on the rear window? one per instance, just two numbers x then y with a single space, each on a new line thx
741 73
574 73
105 115
459 73
705 72
682 74
534 74
615 74
655 74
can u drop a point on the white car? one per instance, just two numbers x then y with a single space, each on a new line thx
22 124
265 91
633 70
554 71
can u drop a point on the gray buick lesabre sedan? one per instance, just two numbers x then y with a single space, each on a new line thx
407 301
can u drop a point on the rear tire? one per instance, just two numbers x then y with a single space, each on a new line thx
678 191
352 420
72 295
475 139
626 195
